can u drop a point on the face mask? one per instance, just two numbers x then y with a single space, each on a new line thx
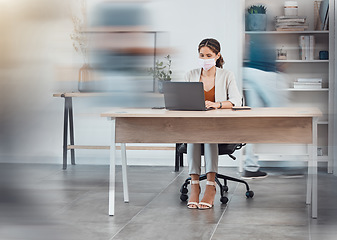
206 64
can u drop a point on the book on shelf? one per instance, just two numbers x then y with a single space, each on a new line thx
287 19
324 14
290 23
307 47
317 18
309 80
326 23
311 47
307 85
291 28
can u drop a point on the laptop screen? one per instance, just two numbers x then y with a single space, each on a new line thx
187 96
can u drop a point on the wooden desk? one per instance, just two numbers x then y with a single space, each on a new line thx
259 125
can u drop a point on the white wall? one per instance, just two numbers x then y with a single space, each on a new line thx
39 54
190 21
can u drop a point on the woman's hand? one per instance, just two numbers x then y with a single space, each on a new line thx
216 105
210 104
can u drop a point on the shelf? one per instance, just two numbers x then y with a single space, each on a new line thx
322 122
298 61
287 32
118 29
119 147
303 61
307 90
107 94
300 90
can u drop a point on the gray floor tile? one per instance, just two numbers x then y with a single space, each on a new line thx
268 201
179 215
324 236
167 231
266 216
326 217
262 232
93 208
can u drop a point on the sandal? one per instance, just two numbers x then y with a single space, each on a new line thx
207 205
193 205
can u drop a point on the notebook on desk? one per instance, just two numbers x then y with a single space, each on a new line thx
186 96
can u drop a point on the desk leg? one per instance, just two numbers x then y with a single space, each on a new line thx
124 171
71 130
65 131
68 116
177 159
112 173
314 168
309 178
312 171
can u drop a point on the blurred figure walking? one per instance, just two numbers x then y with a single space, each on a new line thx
263 88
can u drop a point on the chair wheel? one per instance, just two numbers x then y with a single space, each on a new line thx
225 188
224 200
183 197
249 194
184 191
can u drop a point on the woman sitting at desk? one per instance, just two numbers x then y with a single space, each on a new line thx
220 92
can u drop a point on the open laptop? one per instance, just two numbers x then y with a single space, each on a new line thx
186 96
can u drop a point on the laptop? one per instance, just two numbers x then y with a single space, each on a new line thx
185 96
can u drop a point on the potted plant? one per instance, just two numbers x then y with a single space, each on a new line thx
162 72
256 18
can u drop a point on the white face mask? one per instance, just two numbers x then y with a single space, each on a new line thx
207 64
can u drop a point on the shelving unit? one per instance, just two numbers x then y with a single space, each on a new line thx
296 68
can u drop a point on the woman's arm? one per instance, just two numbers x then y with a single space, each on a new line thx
233 94
227 94
222 105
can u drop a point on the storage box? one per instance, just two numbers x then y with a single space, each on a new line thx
290 8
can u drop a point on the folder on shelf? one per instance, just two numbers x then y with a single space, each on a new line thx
324 14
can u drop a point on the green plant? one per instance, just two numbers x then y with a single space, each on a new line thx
161 70
257 9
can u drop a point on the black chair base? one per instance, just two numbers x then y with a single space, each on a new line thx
227 149
223 187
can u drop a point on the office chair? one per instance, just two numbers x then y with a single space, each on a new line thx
227 149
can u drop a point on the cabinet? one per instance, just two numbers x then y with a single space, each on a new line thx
294 68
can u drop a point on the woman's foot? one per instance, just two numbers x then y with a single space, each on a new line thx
194 197
208 199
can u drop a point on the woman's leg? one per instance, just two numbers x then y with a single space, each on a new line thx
211 154
194 158
251 163
211 162
194 165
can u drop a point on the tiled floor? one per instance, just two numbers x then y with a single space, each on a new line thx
44 202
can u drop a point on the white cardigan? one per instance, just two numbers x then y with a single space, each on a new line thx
225 85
